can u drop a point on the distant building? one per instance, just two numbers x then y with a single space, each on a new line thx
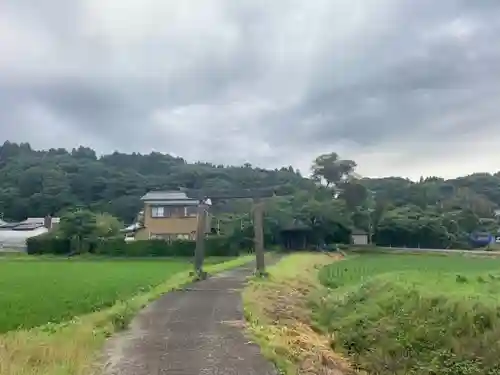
13 236
359 237
47 221
169 215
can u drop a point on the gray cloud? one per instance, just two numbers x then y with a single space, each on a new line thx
403 87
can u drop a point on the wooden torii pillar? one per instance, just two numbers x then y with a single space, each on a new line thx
258 222
199 253
258 228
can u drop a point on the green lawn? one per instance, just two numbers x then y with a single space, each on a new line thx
37 292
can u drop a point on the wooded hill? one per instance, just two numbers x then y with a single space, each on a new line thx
431 212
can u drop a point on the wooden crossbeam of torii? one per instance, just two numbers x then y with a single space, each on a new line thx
258 212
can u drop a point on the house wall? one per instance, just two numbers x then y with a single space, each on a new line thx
360 239
168 225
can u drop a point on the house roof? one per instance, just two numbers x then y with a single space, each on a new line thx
169 197
28 226
30 223
295 225
39 220
8 225
359 232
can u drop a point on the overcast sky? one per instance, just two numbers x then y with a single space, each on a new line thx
402 87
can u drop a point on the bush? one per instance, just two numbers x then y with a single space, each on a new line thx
116 246
221 246
214 246
47 244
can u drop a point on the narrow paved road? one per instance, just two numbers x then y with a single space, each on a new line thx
410 250
194 331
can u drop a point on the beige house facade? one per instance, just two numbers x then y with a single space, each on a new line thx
170 215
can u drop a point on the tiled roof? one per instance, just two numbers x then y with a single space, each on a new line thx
27 226
357 231
41 220
166 196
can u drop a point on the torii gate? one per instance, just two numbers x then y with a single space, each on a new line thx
258 212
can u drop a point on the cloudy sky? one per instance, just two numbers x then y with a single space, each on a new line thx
403 87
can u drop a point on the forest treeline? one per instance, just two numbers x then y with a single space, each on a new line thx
431 212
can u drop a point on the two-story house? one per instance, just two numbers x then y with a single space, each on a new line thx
169 215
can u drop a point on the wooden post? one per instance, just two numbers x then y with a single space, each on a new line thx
258 212
199 253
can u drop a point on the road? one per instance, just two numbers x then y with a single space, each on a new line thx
194 331
436 251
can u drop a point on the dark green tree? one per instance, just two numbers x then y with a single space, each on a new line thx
332 170
80 226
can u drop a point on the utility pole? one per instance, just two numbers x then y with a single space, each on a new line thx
258 212
199 253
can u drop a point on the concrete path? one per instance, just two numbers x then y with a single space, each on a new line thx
194 331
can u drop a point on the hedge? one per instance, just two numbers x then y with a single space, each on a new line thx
214 246
45 244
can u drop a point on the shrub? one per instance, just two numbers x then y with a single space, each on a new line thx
221 246
48 244
214 246
116 246
413 314
386 324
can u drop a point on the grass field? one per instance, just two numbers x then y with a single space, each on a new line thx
414 314
73 347
357 269
33 293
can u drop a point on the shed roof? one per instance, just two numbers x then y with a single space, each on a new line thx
294 225
359 232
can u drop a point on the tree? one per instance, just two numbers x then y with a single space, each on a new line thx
331 169
40 182
80 226
37 183
354 194
107 225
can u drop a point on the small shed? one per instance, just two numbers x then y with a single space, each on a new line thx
295 236
359 237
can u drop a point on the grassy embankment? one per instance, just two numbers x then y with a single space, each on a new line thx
414 314
278 312
55 292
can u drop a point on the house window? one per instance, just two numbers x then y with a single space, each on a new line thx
172 211
157 211
175 211
191 211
